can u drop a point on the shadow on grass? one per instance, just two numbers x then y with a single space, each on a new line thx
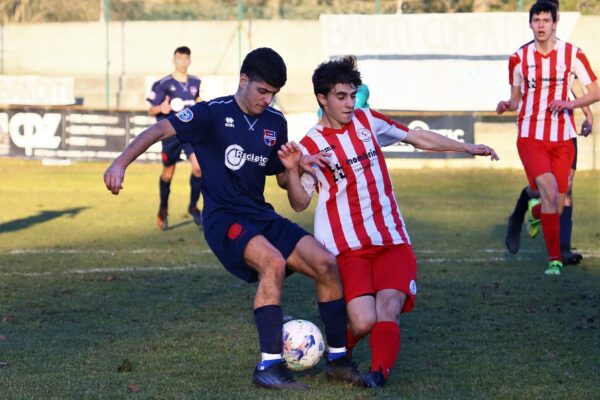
178 225
41 217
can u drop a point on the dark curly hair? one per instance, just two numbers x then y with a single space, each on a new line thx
330 73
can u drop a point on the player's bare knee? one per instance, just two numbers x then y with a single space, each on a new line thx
360 327
167 175
273 269
327 266
389 305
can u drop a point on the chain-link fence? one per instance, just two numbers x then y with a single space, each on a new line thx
16 11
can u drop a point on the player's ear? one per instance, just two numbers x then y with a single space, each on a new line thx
244 81
322 99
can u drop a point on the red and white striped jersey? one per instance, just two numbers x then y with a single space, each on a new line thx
543 79
357 206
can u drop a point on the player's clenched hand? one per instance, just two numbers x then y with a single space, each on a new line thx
113 178
483 150
559 105
586 128
502 107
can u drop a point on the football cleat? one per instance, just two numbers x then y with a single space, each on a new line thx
343 369
196 215
373 379
162 219
513 236
554 268
571 258
533 225
277 376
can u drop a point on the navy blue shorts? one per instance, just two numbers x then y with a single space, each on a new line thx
228 239
574 166
171 151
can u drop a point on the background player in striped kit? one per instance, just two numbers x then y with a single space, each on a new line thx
515 220
168 96
357 217
541 75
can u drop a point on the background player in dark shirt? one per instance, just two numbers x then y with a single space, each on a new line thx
169 95
238 137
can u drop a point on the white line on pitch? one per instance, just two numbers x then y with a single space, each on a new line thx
89 251
106 270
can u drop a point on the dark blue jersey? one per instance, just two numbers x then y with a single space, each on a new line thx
236 152
181 94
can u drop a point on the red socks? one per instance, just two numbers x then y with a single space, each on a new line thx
352 342
385 346
551 229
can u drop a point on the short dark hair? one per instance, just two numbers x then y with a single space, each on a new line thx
266 65
543 6
555 2
183 50
330 73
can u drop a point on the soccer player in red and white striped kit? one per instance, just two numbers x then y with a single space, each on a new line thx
357 217
541 74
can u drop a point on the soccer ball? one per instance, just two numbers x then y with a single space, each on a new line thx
303 344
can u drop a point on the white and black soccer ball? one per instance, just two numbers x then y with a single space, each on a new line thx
303 344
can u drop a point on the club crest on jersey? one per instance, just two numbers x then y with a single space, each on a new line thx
363 134
185 115
270 137
413 287
561 67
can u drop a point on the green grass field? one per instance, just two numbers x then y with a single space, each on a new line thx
87 281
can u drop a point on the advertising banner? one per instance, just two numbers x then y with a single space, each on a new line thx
72 133
457 127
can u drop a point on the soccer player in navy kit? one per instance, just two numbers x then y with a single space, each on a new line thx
238 137
168 96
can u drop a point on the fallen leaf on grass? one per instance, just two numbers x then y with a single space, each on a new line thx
133 388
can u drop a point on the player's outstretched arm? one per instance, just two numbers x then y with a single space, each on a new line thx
432 141
115 174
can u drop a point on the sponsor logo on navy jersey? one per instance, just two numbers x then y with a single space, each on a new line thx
270 137
229 122
236 157
185 115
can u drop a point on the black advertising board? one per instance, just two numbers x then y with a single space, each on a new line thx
37 132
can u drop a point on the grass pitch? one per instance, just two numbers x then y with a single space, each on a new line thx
97 303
